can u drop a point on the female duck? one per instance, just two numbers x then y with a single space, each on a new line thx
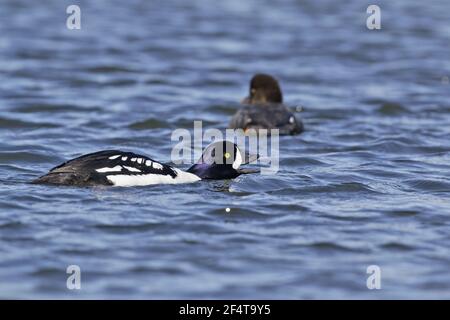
220 160
264 109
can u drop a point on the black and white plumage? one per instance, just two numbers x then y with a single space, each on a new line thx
119 168
264 109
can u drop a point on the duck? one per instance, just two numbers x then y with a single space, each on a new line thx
220 160
264 108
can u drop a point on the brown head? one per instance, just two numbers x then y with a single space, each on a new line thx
264 89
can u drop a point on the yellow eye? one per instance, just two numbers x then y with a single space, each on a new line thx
227 155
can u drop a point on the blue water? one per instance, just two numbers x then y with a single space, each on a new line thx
367 183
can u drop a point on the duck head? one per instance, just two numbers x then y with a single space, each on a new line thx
264 89
221 160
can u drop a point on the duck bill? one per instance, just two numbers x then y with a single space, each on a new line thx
247 171
249 157
246 159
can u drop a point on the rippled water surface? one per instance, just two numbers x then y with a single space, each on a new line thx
366 184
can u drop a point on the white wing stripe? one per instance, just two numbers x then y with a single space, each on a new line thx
157 165
115 169
132 169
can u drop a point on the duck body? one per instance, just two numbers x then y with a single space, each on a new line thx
115 168
126 169
264 109
266 116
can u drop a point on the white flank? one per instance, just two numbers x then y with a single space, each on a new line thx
132 169
122 180
114 157
115 169
124 158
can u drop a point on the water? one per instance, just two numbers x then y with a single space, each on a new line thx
366 184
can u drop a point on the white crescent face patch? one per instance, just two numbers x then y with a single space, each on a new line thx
238 161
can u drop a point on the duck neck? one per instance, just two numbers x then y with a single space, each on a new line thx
214 171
